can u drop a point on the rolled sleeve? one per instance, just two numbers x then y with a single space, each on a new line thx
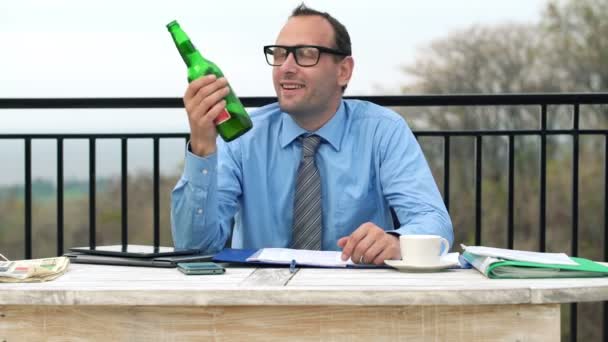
410 187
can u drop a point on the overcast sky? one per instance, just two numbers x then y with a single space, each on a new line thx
122 48
110 48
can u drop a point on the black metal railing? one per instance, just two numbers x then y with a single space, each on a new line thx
541 100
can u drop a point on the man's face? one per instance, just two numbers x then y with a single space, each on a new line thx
309 91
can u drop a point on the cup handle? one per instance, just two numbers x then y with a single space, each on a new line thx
446 247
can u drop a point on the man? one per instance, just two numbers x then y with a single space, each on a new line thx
315 171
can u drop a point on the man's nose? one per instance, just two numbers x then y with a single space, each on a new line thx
290 63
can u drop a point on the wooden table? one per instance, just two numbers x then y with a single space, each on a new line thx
112 303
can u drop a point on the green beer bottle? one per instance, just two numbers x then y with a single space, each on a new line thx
233 121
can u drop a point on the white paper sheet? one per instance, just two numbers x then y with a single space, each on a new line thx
314 258
512 254
301 256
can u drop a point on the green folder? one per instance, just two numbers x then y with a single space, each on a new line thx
509 269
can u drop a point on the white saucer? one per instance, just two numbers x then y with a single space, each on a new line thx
404 266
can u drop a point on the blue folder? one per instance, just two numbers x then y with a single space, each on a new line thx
233 255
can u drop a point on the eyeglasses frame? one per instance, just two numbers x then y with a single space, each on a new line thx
292 50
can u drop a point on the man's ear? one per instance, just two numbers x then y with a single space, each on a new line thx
345 70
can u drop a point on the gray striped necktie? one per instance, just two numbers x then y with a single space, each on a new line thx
307 209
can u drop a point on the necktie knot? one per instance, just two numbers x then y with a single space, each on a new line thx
310 145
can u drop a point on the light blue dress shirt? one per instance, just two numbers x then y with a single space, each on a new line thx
368 160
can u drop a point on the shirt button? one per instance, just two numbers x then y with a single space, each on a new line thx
199 211
204 171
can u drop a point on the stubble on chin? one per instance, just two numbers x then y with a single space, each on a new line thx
288 107
294 110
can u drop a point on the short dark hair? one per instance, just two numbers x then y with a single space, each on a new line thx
341 36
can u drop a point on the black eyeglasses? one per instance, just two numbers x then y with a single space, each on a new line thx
305 55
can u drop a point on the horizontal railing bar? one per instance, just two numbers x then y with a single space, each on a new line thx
511 132
423 133
257 101
93 135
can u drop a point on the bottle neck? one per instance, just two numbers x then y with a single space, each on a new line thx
184 45
189 53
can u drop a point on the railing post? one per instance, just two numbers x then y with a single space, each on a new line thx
511 193
156 190
605 304
124 193
446 171
478 192
92 193
543 180
60 237
28 198
575 167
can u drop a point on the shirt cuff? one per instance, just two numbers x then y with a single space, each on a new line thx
417 229
199 171
412 229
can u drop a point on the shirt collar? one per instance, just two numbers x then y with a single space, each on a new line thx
331 132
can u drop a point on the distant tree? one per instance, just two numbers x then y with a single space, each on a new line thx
566 51
481 60
501 59
577 32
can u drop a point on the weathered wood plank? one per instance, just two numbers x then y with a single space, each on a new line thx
82 273
115 285
278 323
268 277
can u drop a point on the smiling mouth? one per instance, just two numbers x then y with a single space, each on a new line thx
291 86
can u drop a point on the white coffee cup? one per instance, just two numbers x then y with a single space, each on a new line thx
423 250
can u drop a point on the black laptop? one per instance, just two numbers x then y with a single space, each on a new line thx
135 255
133 251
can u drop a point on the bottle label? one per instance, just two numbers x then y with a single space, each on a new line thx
222 117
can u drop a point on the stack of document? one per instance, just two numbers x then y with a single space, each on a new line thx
499 263
301 257
32 270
